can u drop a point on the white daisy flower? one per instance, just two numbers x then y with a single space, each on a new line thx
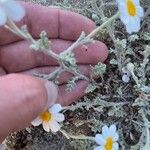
50 118
11 9
108 139
130 13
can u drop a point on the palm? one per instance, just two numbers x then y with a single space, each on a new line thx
62 27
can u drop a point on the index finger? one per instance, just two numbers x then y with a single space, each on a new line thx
57 23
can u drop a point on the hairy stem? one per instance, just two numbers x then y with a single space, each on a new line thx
81 40
100 12
105 24
94 104
77 137
27 36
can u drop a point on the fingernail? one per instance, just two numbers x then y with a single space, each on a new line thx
52 93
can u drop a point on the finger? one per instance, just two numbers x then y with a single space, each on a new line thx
63 77
57 23
65 98
2 71
18 56
22 99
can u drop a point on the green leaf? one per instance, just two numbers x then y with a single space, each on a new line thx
146 36
113 62
134 37
91 88
68 59
99 69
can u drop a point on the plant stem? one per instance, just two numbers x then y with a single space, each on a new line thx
52 54
147 129
55 73
145 15
77 137
51 76
100 12
13 28
81 40
94 104
105 24
80 76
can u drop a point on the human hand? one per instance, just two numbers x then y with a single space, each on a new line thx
23 97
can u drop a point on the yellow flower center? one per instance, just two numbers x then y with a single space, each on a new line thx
109 143
46 116
131 8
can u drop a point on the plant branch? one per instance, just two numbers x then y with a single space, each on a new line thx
105 24
11 26
80 41
76 137
95 103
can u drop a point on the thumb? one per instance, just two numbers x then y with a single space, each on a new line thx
22 99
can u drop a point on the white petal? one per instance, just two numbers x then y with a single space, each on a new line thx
46 126
99 139
133 25
112 128
123 14
136 24
115 137
113 133
55 108
36 122
122 8
54 126
115 146
136 2
124 19
3 17
99 148
14 10
129 29
105 131
125 78
140 11
120 2
59 117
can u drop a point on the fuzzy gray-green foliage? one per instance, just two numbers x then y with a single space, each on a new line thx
126 114
41 44
69 59
99 69
71 84
91 88
82 144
